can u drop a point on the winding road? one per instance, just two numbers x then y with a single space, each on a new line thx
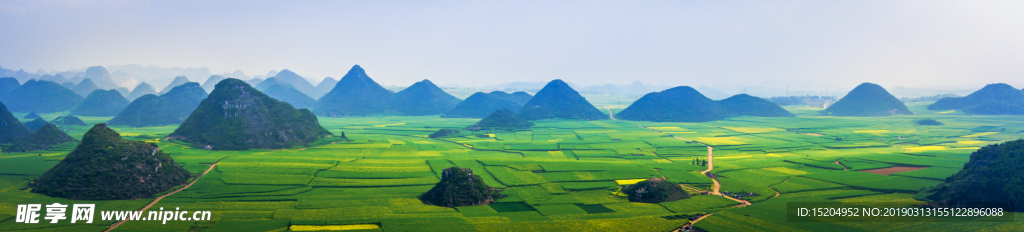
143 210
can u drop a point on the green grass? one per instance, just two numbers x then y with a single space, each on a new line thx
557 176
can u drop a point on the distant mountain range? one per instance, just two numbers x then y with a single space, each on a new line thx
169 108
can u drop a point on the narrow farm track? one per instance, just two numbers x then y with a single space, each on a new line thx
711 166
776 190
143 210
837 163
610 115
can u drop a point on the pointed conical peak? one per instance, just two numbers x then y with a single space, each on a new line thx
100 134
556 83
356 71
425 83
143 84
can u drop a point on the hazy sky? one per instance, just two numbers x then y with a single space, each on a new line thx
933 44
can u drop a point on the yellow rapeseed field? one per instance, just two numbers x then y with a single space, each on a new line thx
753 130
628 181
979 134
333 227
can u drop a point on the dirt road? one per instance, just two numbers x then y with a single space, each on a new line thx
143 210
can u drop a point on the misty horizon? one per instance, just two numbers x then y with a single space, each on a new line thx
766 49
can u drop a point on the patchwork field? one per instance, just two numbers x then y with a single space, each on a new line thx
558 176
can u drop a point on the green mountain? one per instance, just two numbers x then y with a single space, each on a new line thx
501 119
655 190
101 103
284 92
172 107
69 120
10 128
178 81
32 114
85 87
42 97
263 85
45 137
993 174
36 124
679 104
212 82
994 99
299 83
141 89
355 95
518 97
8 84
424 98
105 167
236 116
123 91
746 105
558 100
101 77
867 100
459 187
481 104
326 85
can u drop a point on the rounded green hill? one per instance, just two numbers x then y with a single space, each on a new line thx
655 190
993 174
236 116
867 100
558 100
459 187
679 104
105 167
993 99
101 103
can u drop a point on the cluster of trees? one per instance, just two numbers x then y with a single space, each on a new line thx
699 162
993 174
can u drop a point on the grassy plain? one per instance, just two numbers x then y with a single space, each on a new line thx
558 176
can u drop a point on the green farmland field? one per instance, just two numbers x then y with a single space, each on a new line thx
558 176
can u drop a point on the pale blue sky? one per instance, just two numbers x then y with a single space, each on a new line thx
933 44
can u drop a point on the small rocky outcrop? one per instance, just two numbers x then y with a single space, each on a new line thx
459 187
655 190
